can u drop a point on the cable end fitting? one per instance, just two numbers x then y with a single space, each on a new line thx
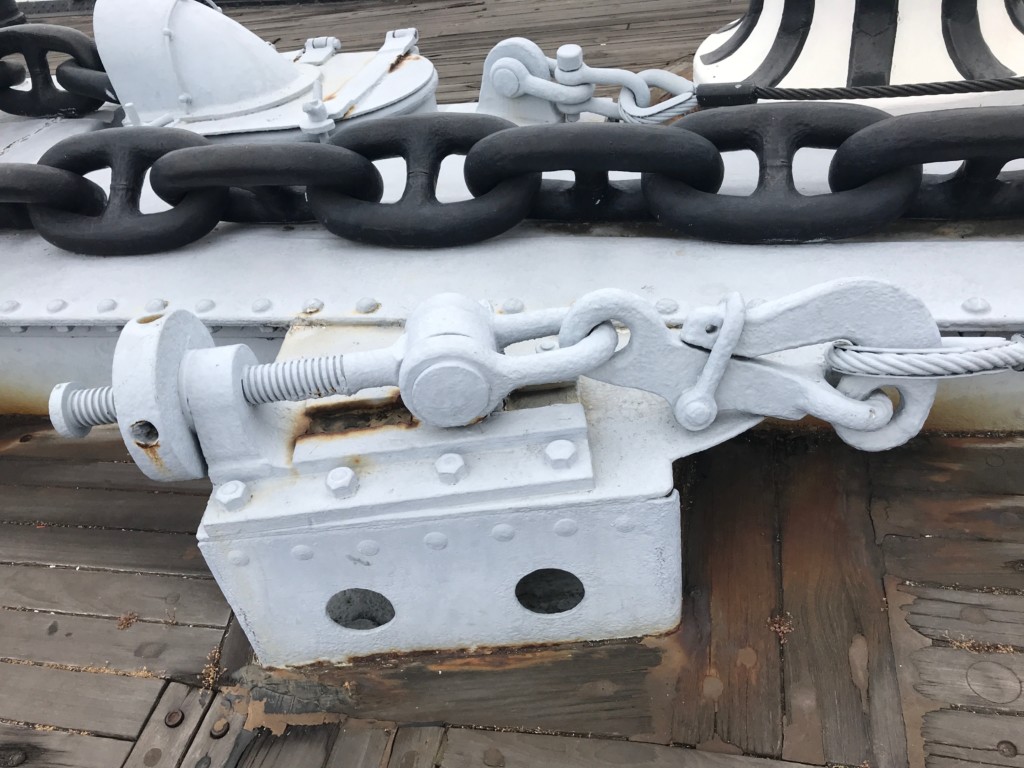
726 94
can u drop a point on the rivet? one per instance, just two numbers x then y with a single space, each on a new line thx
368 547
261 305
1007 749
451 468
112 328
547 345
185 98
205 305
302 552
566 527
62 328
436 540
513 306
156 305
623 524
56 305
667 306
560 454
106 305
342 482
976 306
233 495
174 718
9 306
367 305
220 728
238 557
312 306
503 532
168 33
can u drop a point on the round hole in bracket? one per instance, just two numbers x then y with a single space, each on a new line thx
360 609
550 590
144 434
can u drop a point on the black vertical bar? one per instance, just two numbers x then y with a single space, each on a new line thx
789 42
966 45
873 42
739 37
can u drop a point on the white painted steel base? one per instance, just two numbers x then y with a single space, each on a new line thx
450 575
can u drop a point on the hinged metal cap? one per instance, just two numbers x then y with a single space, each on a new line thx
182 60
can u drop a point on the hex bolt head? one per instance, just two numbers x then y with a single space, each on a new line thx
560 454
451 468
343 482
233 495
174 718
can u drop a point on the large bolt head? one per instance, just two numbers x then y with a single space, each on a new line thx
560 454
342 482
233 495
451 468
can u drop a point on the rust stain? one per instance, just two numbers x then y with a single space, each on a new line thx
397 63
357 417
258 717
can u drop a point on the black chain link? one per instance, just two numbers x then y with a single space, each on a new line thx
34 42
875 176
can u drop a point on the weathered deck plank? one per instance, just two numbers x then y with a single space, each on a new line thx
151 597
22 745
840 713
163 742
735 526
361 744
970 738
220 739
472 749
416 747
102 704
169 553
171 651
979 618
983 680
955 563
307 746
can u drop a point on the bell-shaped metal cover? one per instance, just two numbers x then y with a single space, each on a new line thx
185 60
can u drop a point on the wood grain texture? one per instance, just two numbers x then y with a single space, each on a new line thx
416 747
932 464
305 746
103 593
103 705
174 651
949 515
954 563
207 749
970 738
840 672
135 551
473 749
56 749
124 476
361 744
580 688
735 496
950 615
161 745
993 681
101 507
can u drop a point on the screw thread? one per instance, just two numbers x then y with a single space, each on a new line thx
93 407
294 380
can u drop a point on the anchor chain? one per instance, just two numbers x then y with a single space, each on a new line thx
875 175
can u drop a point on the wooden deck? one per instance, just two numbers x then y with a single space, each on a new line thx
457 34
840 609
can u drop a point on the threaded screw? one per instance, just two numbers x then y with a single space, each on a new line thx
74 410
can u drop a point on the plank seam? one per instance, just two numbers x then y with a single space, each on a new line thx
47 612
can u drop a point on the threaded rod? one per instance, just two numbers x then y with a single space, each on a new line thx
294 380
93 407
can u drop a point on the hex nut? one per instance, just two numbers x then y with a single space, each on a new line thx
233 495
451 468
342 482
560 454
